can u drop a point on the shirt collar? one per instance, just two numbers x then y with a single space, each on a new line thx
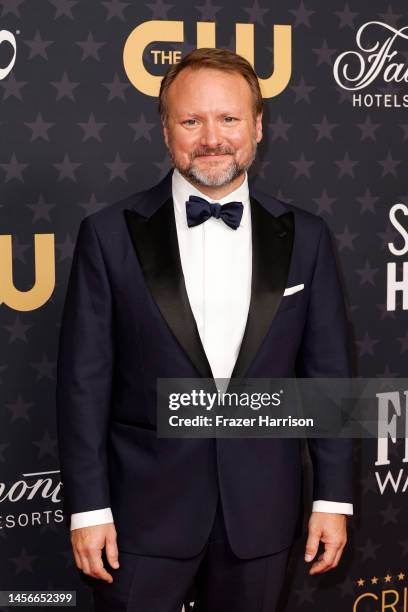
182 189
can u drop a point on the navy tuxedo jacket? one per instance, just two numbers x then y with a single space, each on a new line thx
127 321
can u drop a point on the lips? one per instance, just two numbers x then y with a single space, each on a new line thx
214 155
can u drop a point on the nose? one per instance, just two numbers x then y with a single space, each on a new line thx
210 134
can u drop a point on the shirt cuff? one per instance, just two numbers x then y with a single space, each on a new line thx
91 518
331 506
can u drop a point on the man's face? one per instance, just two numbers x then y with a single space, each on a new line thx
211 132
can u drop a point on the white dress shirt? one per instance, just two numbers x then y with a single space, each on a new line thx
217 267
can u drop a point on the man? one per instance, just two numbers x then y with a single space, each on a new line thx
188 279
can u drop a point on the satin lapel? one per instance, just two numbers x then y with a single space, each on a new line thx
156 245
272 242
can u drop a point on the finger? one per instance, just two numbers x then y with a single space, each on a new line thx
325 561
312 546
319 558
338 556
97 568
77 559
112 553
85 565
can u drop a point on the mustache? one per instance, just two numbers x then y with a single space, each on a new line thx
222 150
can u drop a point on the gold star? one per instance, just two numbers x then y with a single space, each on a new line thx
374 580
401 576
387 578
360 582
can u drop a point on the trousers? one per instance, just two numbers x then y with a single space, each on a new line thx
218 579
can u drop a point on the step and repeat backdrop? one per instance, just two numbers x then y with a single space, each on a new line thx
79 129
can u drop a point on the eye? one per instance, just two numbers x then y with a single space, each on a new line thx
189 122
229 119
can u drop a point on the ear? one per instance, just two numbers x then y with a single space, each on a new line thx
258 127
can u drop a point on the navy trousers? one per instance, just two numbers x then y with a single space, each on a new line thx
221 581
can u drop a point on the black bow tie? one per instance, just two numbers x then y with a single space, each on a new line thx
199 210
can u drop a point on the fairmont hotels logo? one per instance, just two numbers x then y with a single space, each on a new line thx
377 62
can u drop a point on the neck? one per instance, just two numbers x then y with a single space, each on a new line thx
216 193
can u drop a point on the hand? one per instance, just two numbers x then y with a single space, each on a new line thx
87 544
331 529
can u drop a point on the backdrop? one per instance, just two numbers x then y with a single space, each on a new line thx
79 130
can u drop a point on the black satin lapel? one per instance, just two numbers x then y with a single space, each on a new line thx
156 245
272 242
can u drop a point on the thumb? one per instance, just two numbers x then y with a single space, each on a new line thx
111 550
312 546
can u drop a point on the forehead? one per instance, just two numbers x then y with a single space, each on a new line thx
206 89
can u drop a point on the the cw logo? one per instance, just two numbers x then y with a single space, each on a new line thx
6 36
44 274
173 31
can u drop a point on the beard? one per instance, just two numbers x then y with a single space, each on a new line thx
213 176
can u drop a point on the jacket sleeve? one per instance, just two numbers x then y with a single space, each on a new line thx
84 373
325 353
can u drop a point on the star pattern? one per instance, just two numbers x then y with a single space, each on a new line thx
142 129
39 128
67 169
389 165
324 129
12 87
367 201
41 210
23 563
11 7
256 13
346 17
302 91
118 168
368 129
302 166
115 8
90 48
208 11
302 15
116 88
324 54
19 249
324 203
91 129
38 46
279 129
159 9
13 169
63 8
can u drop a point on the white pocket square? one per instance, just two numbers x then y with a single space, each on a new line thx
294 289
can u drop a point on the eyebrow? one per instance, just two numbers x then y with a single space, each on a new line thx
229 113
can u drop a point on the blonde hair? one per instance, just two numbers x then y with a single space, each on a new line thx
216 59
